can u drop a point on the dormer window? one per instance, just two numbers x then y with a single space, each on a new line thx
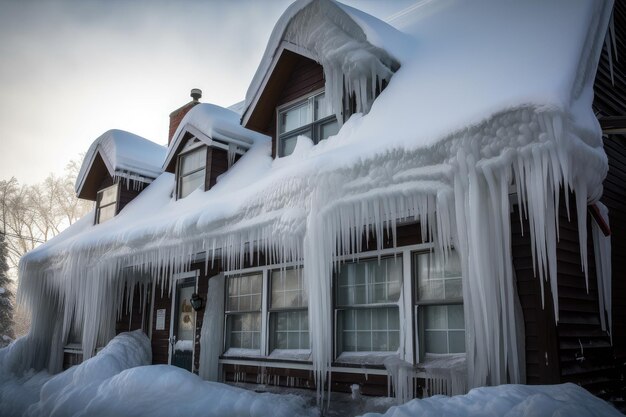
191 170
106 203
312 116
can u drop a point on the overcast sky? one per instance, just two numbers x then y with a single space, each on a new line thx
70 70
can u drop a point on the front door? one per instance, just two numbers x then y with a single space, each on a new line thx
183 324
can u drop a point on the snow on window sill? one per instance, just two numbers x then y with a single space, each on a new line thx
247 353
291 354
364 358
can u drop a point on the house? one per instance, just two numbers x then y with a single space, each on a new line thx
423 203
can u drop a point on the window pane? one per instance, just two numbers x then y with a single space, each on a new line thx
287 289
243 330
289 144
435 280
457 341
244 292
289 330
190 183
108 195
370 282
444 329
369 329
456 317
295 117
323 107
328 129
193 160
436 341
106 213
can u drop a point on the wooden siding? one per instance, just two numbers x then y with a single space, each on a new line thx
576 350
216 165
294 76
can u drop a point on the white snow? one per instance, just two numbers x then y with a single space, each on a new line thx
489 95
117 382
509 401
214 123
2 290
183 345
125 155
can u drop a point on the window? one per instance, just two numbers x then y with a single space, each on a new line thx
267 313
312 117
367 295
106 203
439 303
289 318
191 171
243 312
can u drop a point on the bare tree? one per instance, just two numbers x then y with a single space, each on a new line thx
33 214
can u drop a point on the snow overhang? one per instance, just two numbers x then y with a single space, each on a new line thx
118 154
215 126
350 45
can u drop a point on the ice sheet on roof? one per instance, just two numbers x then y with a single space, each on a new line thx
125 155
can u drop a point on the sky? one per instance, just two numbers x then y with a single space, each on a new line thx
71 70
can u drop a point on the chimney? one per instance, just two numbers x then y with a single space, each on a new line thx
177 115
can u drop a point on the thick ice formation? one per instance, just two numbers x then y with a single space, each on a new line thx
126 156
436 148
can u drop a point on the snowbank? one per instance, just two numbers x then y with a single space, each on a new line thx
509 401
116 382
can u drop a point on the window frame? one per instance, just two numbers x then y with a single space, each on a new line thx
265 350
343 355
229 313
312 129
420 305
115 203
191 147
273 311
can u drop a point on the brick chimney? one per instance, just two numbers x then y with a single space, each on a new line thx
177 115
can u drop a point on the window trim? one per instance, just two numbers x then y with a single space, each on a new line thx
264 352
114 203
339 354
418 308
188 149
312 128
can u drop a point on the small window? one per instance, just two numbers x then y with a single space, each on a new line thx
243 311
289 318
312 117
106 203
367 295
191 171
439 303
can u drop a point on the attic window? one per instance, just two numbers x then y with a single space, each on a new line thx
312 116
191 171
106 203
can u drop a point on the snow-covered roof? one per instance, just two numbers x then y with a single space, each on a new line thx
125 155
211 123
486 91
356 51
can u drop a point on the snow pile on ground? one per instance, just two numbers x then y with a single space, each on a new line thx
509 401
116 382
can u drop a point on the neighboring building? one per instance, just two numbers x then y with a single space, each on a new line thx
421 203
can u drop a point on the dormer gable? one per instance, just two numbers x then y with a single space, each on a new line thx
320 46
208 141
117 166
